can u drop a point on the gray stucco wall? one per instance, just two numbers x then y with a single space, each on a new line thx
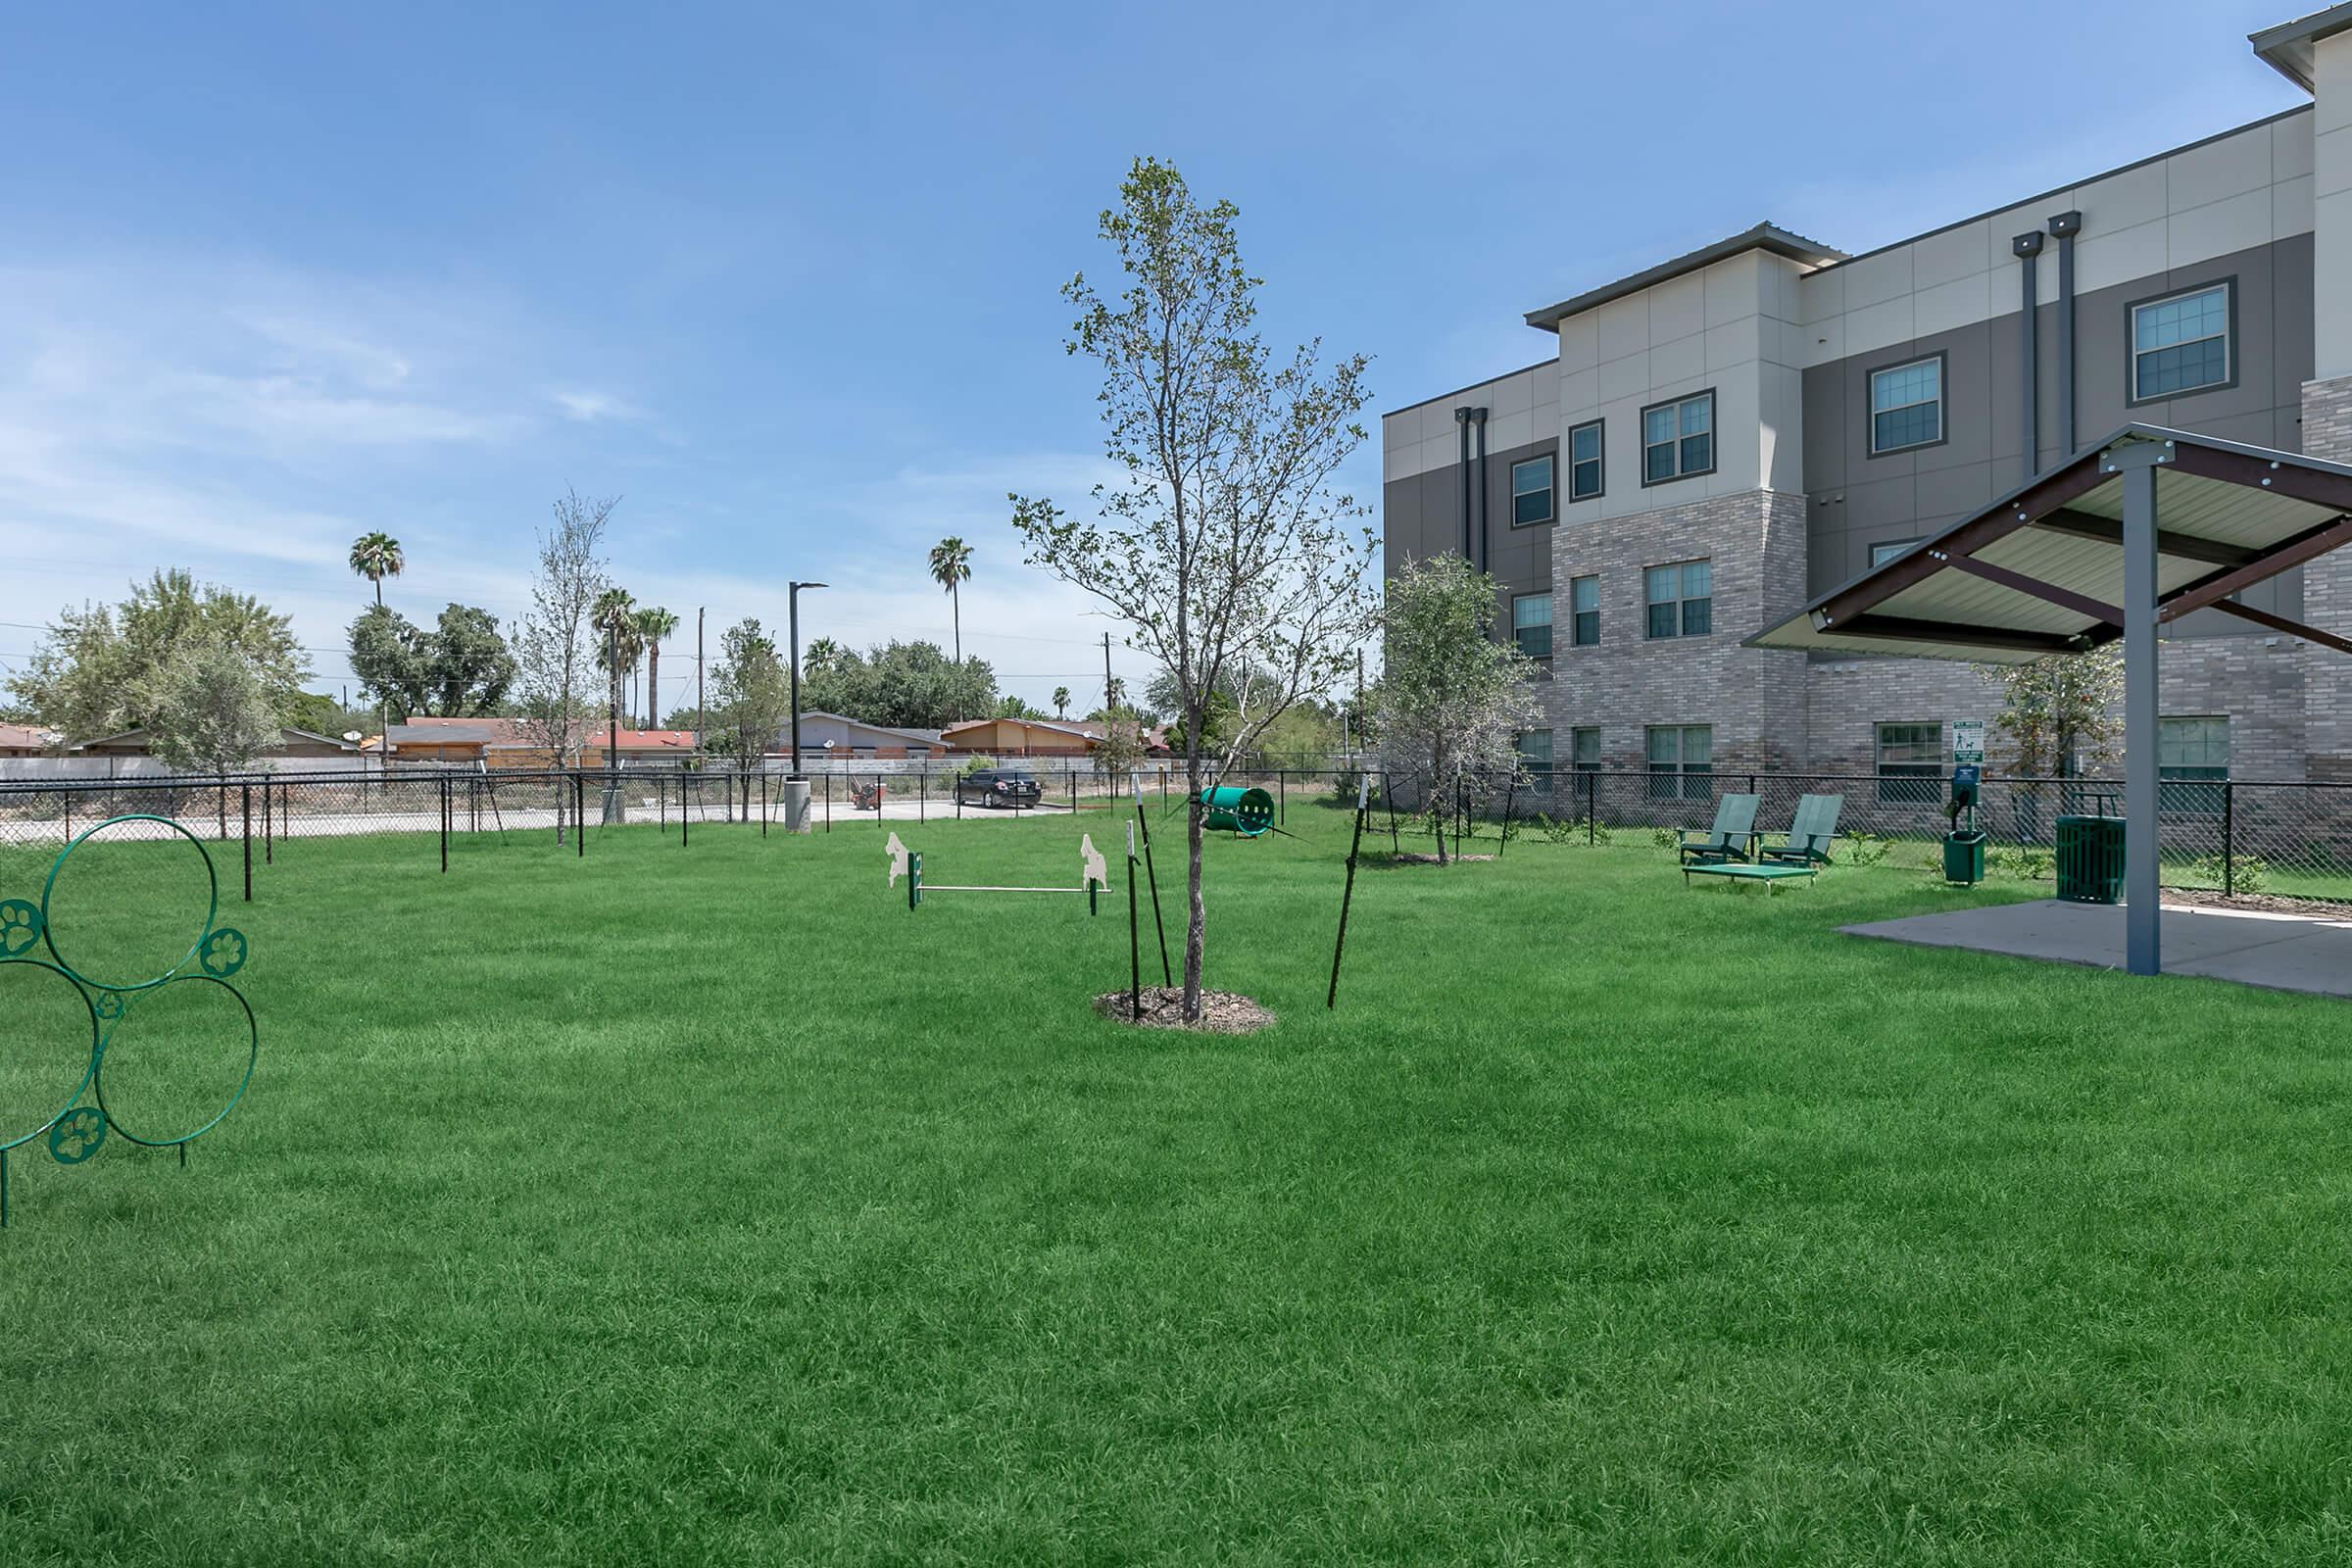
1422 517
1855 499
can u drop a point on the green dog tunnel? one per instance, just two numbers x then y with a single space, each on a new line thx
1248 812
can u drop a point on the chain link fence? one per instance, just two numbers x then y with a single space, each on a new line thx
2292 840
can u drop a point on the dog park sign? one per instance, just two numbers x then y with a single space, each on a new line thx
1968 742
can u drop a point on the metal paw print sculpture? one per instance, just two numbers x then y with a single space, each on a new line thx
30 963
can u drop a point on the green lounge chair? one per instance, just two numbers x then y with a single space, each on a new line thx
1728 840
1810 833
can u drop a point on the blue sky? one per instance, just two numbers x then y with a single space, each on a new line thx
786 279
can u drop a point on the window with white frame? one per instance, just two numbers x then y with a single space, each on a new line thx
2181 343
1677 439
1910 763
1681 760
1584 474
1906 405
1583 609
1681 599
2193 761
1531 492
1531 623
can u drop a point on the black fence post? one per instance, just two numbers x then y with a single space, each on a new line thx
682 812
828 803
245 826
269 828
579 812
447 805
1591 809
2228 840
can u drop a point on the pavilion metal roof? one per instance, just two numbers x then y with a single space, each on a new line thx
2041 570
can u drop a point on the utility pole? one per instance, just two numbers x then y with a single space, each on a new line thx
699 715
1109 693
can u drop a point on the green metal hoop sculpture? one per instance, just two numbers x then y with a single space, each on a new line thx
75 1131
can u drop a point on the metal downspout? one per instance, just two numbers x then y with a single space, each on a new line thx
1461 421
2065 227
2027 248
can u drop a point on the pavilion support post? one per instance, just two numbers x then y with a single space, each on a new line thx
2142 940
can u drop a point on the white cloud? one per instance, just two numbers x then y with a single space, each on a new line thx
587 407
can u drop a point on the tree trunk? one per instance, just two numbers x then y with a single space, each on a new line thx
956 613
1196 928
652 683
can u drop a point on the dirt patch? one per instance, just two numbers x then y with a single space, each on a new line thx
2266 903
1222 1012
1416 858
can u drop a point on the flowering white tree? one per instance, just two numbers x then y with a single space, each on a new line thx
1224 545
1452 699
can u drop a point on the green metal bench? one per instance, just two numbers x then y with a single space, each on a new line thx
1766 874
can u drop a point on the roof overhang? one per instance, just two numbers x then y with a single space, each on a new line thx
2041 572
1763 237
2287 48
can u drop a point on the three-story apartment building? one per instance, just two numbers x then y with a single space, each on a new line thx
1716 439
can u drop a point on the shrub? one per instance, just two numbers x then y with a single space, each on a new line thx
1866 849
2026 864
978 763
1667 838
2250 874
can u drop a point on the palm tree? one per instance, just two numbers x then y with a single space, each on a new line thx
653 624
615 615
375 556
820 653
951 565
1062 701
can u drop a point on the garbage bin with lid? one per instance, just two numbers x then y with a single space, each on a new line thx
2090 860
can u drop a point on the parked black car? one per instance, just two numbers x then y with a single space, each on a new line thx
997 786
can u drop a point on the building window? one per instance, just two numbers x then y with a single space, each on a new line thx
1880 554
1531 623
1681 598
1587 749
1682 761
1910 764
2181 343
2192 752
1677 439
1584 462
1584 612
1906 405
1531 492
1535 755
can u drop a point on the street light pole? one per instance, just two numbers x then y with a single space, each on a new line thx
794 612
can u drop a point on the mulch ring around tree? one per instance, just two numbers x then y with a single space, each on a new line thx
1222 1012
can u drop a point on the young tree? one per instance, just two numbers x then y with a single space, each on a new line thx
951 569
752 689
1121 751
1224 543
2057 715
557 646
1452 699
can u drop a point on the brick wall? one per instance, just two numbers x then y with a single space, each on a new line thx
1753 699
2327 594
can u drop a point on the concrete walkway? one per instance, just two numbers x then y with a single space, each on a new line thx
2282 951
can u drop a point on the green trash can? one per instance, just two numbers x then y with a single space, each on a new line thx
2090 860
1964 856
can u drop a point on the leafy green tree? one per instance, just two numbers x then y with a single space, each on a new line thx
209 710
389 654
468 666
1015 707
2058 713
321 714
1453 700
904 685
753 687
951 569
98 664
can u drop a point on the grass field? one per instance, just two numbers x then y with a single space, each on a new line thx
709 1207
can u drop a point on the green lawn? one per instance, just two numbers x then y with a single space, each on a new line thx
709 1207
